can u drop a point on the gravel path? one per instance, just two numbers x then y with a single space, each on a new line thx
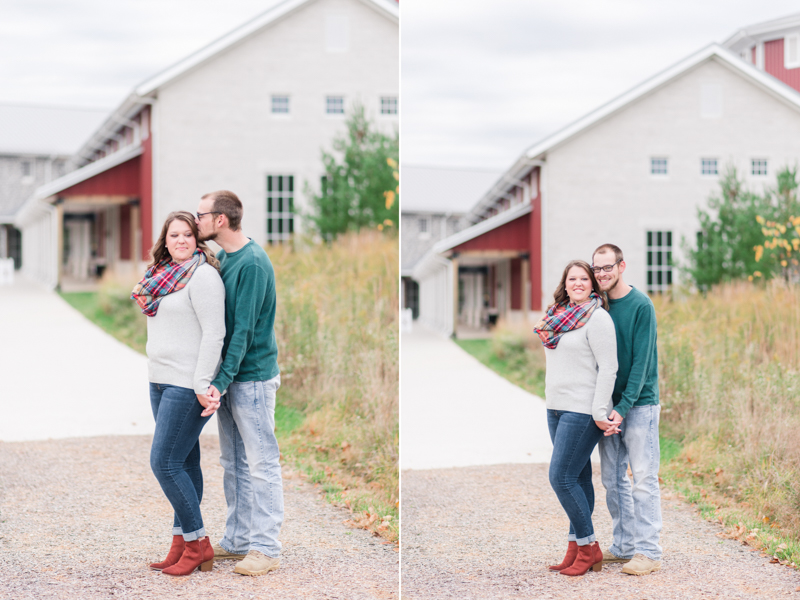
83 517
489 532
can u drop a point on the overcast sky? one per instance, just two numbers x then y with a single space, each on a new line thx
482 81
92 53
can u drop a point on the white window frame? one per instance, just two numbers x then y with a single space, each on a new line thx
659 249
330 102
709 167
389 106
280 195
337 33
759 167
657 160
791 41
428 225
276 100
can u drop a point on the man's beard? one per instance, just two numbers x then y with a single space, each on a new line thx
208 237
612 286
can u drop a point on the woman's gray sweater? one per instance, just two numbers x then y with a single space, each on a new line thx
184 339
581 370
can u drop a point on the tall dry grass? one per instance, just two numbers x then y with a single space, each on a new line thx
730 381
337 328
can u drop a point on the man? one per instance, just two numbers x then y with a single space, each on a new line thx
250 375
635 510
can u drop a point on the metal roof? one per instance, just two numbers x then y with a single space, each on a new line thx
46 130
443 189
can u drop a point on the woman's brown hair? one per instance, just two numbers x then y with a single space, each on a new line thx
561 297
159 252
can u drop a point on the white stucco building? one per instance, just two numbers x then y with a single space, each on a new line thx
631 173
250 113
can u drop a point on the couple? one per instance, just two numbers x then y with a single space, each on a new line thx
211 348
600 344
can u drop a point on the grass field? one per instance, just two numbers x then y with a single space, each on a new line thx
337 328
729 371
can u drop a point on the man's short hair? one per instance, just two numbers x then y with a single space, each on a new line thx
228 204
609 248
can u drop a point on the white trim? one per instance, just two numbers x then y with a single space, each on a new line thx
790 62
763 28
387 7
772 85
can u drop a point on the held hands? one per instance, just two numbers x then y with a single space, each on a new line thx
611 426
209 401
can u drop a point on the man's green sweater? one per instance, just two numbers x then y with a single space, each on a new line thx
637 355
250 352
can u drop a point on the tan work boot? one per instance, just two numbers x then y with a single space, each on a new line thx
221 554
641 565
257 563
610 557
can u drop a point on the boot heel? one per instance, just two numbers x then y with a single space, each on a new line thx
597 567
207 566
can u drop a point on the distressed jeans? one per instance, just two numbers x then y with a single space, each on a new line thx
250 456
635 509
574 436
175 455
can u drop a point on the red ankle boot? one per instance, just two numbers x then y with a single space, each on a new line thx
589 557
196 554
572 552
174 555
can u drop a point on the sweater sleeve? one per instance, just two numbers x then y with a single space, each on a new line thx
251 292
207 296
643 351
603 343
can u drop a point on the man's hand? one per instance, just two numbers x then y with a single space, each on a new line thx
616 420
609 427
209 401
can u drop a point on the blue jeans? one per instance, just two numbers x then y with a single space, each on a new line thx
175 455
250 456
635 510
574 436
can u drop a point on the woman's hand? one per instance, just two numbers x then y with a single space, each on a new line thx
209 401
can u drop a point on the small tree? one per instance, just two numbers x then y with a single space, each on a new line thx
358 174
781 247
729 233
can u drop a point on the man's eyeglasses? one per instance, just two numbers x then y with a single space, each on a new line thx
211 212
606 268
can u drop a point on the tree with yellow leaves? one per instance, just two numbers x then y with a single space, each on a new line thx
359 189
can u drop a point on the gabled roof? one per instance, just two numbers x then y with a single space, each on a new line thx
388 8
763 30
145 92
713 51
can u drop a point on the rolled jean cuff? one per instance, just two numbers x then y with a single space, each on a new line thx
191 536
587 540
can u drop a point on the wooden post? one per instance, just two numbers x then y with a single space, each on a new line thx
454 259
526 287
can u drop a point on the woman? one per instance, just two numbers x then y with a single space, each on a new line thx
184 299
581 352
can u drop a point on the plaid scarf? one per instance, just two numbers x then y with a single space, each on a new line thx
162 279
565 317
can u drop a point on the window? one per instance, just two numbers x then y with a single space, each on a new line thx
424 226
280 105
658 166
280 208
334 105
758 166
659 261
711 101
337 33
388 105
27 168
791 51
708 166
